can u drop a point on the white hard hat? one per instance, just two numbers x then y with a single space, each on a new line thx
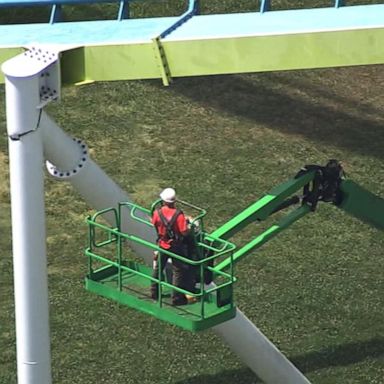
168 195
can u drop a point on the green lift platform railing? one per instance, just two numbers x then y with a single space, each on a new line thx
113 272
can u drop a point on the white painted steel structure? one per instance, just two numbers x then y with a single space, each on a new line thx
257 352
28 223
33 136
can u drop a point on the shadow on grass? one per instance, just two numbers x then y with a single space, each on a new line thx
240 376
341 355
293 106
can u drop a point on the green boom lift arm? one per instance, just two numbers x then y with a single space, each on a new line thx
115 274
320 183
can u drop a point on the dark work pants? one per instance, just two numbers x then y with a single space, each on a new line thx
181 272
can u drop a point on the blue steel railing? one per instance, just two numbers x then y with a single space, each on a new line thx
193 8
265 5
123 11
56 6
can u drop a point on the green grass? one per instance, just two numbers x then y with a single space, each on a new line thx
316 290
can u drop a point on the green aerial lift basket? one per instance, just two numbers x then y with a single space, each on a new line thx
115 273
122 278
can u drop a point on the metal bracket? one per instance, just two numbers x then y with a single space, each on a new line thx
42 63
162 60
49 85
339 3
49 78
56 13
265 6
123 10
61 174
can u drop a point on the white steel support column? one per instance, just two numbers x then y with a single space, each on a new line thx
66 155
68 160
257 352
31 133
28 222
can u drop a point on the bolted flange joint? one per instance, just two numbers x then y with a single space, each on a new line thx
61 174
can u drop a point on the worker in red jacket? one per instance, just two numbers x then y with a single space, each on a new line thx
171 226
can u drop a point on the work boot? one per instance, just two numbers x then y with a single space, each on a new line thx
191 299
154 293
179 300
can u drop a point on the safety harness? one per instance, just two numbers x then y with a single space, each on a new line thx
171 233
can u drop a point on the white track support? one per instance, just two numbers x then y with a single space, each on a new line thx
257 352
30 129
22 82
69 160
247 341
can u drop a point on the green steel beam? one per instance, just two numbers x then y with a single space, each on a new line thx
111 62
235 55
262 208
221 55
273 53
364 205
267 235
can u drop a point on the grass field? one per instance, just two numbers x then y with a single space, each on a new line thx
316 290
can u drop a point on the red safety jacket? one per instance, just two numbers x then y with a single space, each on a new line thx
170 224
